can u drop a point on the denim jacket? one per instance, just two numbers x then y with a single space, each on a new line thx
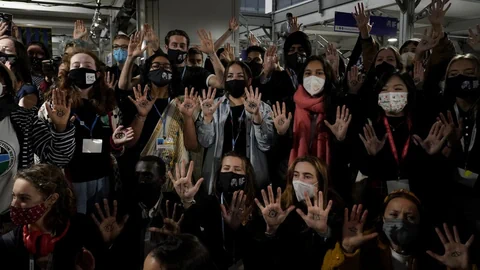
259 140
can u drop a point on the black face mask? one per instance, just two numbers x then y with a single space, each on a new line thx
160 77
176 56
236 88
229 182
384 68
4 58
296 61
82 78
256 68
148 194
36 63
465 87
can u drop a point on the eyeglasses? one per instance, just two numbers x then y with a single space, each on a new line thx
157 65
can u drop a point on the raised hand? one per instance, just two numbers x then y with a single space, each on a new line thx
189 104
108 225
473 38
418 73
456 253
183 182
339 129
452 131
272 212
353 236
429 40
362 18
317 217
295 26
58 109
151 38
371 141
84 260
110 80
332 57
233 215
253 40
229 52
16 32
141 101
135 45
280 120
208 104
436 13
121 135
270 59
171 224
355 80
252 101
3 28
233 24
79 30
435 140
206 42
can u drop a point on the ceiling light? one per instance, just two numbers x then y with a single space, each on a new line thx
392 40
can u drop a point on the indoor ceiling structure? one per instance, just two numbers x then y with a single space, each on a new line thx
462 15
60 15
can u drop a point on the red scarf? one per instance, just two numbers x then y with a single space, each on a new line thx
306 107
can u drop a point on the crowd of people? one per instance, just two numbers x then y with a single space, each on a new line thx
181 162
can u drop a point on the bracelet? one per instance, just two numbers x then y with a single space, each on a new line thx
192 202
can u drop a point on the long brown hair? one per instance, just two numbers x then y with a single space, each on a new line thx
323 184
102 97
250 189
48 180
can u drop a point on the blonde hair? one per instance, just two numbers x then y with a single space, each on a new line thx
470 57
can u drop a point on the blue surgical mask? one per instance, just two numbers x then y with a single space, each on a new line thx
120 55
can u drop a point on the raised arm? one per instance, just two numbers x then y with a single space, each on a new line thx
134 51
232 27
207 47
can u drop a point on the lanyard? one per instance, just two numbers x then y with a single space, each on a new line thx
313 128
240 120
183 73
293 78
392 143
163 117
85 126
474 131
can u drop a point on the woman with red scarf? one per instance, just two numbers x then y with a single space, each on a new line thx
313 100
319 125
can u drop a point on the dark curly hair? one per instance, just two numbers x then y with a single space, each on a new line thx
48 180
102 97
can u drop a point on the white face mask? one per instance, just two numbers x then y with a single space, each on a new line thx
300 188
392 102
407 58
313 84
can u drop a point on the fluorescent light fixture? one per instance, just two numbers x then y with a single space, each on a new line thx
392 40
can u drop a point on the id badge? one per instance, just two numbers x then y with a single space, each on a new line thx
92 146
165 144
393 185
466 177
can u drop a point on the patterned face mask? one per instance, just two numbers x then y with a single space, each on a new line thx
24 216
393 102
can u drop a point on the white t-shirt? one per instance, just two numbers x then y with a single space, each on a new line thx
9 154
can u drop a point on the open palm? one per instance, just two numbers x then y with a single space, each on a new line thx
280 120
317 217
182 182
435 140
456 253
340 128
352 232
189 104
371 142
135 45
233 215
272 212
429 40
108 225
206 42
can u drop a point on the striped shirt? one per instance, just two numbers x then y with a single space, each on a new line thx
37 137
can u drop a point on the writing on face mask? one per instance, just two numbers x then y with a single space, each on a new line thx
401 233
